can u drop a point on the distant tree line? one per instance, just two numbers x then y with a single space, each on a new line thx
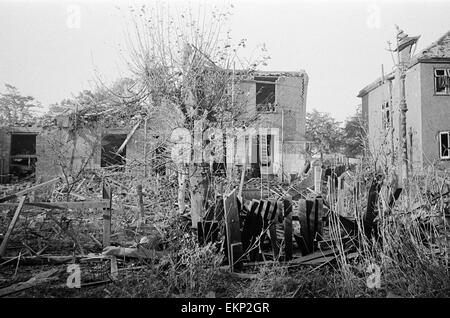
326 135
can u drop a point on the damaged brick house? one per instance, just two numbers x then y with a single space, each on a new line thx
48 150
90 138
276 145
427 90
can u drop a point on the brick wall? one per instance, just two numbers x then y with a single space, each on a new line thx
54 149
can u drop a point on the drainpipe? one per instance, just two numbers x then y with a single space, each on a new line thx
410 150
282 144
404 46
391 123
403 110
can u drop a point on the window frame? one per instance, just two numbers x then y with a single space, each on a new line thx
435 76
266 107
441 157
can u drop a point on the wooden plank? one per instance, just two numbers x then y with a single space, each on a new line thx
371 213
265 222
318 219
317 179
288 248
257 229
40 278
313 256
233 232
306 239
273 231
218 211
128 138
11 226
241 184
107 195
247 231
100 204
28 190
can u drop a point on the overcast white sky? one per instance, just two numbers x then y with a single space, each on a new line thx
340 44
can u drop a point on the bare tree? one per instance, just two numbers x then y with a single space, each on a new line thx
187 60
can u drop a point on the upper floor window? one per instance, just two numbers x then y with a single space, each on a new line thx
265 93
444 145
442 81
386 115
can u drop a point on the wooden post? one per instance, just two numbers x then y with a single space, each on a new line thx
140 213
11 226
145 147
28 190
317 179
287 203
107 195
330 199
340 197
232 226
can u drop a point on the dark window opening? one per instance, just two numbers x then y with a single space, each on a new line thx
442 81
22 144
265 93
444 145
110 146
23 156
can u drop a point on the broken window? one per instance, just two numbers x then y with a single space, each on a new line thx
110 145
444 145
265 93
23 155
386 116
442 81
160 159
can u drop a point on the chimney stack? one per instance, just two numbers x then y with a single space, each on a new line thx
404 46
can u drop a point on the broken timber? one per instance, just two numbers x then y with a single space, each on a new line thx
128 138
233 233
28 190
40 278
11 226
107 195
101 204
311 224
287 204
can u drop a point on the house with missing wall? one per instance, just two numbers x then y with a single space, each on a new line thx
57 147
427 91
275 142
71 142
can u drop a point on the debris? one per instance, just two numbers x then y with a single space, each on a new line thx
114 270
131 133
234 243
132 252
11 227
40 278
28 190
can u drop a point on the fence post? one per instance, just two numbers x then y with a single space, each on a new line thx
107 195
